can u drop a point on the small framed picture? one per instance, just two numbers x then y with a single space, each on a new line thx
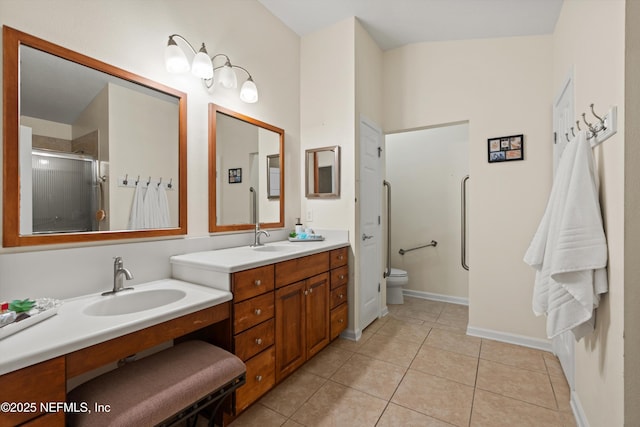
505 148
235 175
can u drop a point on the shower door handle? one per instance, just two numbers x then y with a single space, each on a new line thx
463 223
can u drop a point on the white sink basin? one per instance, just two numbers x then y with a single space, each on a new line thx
126 302
274 248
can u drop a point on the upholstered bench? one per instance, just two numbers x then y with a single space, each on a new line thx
163 389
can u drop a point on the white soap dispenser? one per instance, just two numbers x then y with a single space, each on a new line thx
299 228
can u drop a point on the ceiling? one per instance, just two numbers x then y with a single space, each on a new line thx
394 23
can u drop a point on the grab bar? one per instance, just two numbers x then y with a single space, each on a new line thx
387 271
404 251
463 223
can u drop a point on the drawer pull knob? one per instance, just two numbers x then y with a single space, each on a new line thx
341 321
259 341
342 277
258 282
258 378
258 312
340 257
311 290
341 296
306 292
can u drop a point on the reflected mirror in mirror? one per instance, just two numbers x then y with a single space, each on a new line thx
322 171
92 152
246 171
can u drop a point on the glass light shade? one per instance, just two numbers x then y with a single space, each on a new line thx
249 92
202 66
175 59
227 77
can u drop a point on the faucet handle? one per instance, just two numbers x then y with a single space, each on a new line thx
117 260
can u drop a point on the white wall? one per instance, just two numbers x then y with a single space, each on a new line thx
501 87
425 168
132 35
599 358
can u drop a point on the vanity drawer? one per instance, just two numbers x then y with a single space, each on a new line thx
41 383
260 378
339 257
339 277
251 283
339 320
301 268
338 296
253 311
254 340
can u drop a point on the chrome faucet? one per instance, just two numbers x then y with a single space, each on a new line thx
118 271
258 231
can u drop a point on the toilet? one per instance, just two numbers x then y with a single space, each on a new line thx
395 281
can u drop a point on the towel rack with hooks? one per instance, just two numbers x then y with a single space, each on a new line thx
128 182
599 132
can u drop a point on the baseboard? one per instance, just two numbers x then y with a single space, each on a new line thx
539 344
350 334
384 311
578 412
435 297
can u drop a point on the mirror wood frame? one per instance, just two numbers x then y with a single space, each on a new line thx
213 226
12 40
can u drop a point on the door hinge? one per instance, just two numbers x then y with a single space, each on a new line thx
378 287
378 219
555 137
379 151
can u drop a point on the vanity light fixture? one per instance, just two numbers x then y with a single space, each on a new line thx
202 67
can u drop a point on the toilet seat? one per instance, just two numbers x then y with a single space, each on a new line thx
397 277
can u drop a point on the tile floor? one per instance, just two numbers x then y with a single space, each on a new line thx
417 367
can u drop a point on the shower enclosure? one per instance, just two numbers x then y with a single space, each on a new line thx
65 191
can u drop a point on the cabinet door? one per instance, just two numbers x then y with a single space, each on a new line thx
290 329
317 313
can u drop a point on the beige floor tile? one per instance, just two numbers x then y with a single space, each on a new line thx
434 396
414 332
327 362
395 416
553 364
456 342
291 423
458 317
567 418
446 364
289 395
562 392
259 416
390 349
353 345
514 355
369 375
337 405
492 410
517 383
404 314
377 324
430 306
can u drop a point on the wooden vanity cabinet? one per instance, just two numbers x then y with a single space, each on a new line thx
339 282
254 331
27 388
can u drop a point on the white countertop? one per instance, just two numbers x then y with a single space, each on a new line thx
71 329
231 260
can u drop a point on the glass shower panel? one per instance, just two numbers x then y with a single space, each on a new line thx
64 193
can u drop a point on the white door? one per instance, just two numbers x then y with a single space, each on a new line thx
563 120
370 238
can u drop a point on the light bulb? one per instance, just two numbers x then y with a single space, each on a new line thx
227 77
174 58
249 92
202 66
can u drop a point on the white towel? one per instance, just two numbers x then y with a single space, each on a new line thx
136 216
151 209
163 207
569 249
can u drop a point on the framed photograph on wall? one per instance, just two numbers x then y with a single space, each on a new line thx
505 148
235 175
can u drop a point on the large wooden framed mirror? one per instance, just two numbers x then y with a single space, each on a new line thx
246 172
79 135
